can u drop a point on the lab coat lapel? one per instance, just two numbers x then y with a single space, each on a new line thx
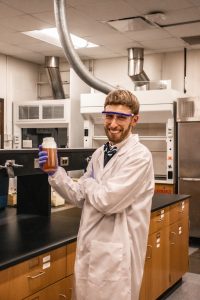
122 151
100 161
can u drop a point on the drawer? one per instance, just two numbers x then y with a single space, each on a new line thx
178 211
34 274
71 253
57 291
159 219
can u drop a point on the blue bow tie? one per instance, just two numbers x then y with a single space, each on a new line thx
109 151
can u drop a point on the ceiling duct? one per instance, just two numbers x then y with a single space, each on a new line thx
70 53
135 66
53 73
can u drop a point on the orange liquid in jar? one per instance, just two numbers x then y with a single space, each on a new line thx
52 163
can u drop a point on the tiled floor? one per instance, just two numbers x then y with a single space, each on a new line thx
190 287
189 290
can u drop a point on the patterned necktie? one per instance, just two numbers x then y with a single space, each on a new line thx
109 151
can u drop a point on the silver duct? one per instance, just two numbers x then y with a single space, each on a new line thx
53 73
70 53
135 66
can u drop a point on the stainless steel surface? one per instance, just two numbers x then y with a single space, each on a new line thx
135 66
188 149
188 109
60 12
192 188
189 170
53 73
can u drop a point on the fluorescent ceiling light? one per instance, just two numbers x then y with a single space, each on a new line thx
50 35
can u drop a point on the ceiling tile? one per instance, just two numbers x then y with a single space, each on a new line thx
23 23
184 30
152 34
7 11
106 10
164 43
30 6
47 17
145 7
182 15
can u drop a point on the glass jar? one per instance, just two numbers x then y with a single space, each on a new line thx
49 145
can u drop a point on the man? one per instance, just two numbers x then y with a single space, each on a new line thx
115 195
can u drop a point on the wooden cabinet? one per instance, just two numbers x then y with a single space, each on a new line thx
178 235
38 273
167 250
155 281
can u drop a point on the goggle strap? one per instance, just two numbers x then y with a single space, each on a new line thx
117 113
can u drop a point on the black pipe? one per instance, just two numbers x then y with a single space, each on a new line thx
185 70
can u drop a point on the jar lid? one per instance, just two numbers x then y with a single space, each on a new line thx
48 139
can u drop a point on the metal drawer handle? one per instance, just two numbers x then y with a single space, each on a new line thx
190 179
149 256
36 276
63 296
174 233
159 220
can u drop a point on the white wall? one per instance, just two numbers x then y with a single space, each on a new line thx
165 66
18 82
76 128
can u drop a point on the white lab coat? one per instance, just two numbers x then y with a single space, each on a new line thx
112 239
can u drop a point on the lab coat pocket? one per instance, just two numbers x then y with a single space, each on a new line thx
105 262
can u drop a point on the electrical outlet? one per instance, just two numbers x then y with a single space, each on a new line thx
64 161
36 163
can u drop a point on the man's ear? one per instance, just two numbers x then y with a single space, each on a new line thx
135 120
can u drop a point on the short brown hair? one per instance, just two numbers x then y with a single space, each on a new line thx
123 97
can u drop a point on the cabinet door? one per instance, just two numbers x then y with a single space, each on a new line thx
62 290
71 253
145 291
179 211
28 277
159 219
179 237
158 265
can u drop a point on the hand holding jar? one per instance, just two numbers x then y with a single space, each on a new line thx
48 160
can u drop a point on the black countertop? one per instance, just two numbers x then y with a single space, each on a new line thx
163 200
25 236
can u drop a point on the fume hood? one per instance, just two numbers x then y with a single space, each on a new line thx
35 119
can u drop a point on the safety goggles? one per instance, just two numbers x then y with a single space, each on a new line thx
108 116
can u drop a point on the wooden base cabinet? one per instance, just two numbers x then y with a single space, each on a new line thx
179 241
62 290
167 250
45 277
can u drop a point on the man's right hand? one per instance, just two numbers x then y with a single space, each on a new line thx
43 156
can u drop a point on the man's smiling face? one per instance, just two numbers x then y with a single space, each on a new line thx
118 127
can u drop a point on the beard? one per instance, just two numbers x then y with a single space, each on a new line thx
117 135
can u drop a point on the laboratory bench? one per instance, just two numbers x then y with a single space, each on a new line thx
37 252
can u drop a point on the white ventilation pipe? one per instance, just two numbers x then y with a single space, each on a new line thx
135 66
70 53
53 73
